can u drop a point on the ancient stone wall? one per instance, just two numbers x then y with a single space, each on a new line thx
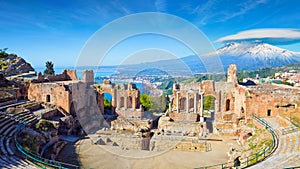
124 96
232 74
53 93
88 76
130 113
269 101
184 116
65 76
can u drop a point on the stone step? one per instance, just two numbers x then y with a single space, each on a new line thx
3 118
13 132
285 160
3 128
297 143
6 133
7 120
19 161
288 143
8 148
16 162
20 114
293 143
3 146
283 144
294 163
23 117
8 160
4 163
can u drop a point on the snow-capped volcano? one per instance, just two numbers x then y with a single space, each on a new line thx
247 56
255 55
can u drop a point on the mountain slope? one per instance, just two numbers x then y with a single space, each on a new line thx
13 65
249 56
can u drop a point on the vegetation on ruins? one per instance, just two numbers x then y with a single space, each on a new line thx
145 101
3 53
259 140
159 104
29 141
6 95
49 68
154 104
208 103
107 103
44 125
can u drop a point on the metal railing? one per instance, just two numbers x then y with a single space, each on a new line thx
36 159
256 157
294 120
40 160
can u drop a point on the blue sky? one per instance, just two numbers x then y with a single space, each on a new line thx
56 30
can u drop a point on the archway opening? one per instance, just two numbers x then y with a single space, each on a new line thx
191 103
107 103
129 102
182 104
48 98
122 102
227 106
209 106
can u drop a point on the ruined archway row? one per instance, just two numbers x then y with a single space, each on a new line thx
125 97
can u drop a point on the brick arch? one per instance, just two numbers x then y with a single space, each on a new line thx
109 91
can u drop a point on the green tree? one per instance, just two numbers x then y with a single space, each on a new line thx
107 103
158 103
3 53
208 103
145 101
49 68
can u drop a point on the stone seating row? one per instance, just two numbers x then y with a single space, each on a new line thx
286 155
8 158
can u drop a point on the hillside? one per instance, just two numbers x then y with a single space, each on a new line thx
269 72
11 64
247 56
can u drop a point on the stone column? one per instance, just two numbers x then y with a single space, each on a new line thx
201 107
177 100
187 103
114 98
118 101
133 101
195 103
125 101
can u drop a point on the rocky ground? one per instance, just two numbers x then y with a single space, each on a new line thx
13 65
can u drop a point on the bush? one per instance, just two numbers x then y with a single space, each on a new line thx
44 125
3 53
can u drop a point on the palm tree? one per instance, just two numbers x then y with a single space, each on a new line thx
49 68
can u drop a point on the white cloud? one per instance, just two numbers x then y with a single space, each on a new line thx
277 36
244 8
